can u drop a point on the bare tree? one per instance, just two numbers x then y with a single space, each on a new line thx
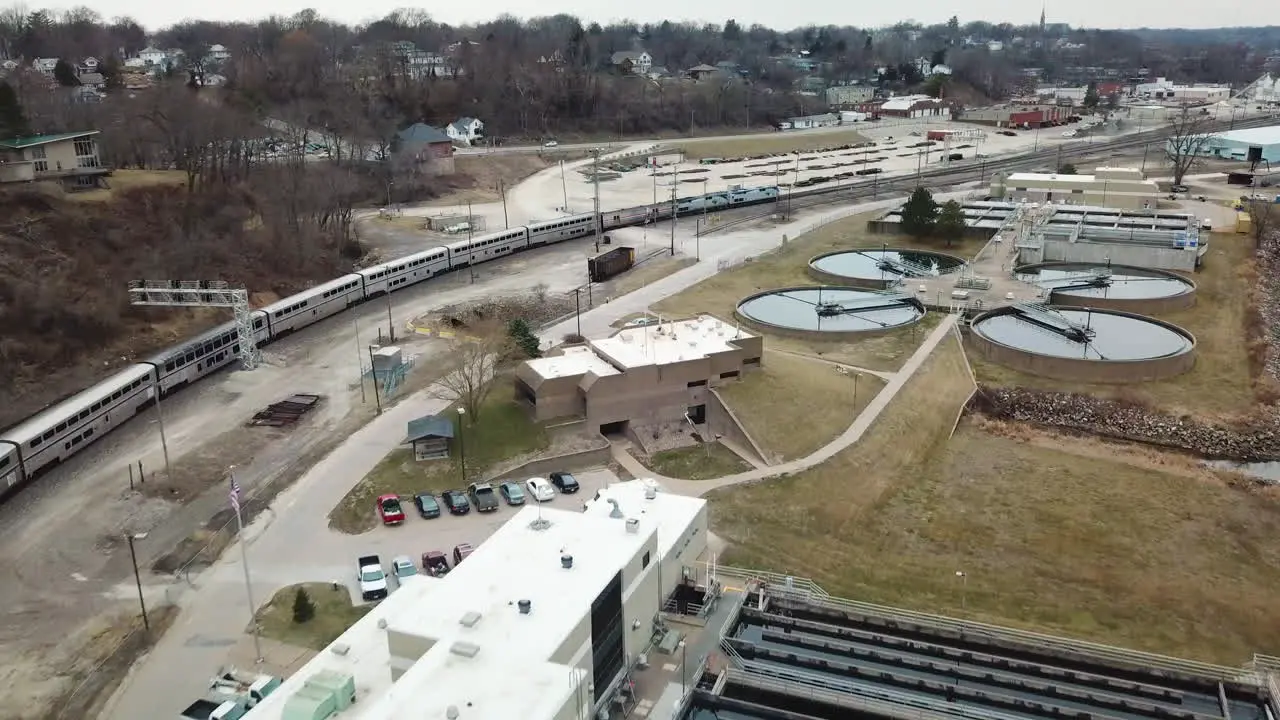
1263 219
471 366
1188 137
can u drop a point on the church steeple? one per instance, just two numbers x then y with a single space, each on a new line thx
1041 20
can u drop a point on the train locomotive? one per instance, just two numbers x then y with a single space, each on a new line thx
53 435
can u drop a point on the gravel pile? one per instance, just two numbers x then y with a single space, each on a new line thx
1259 440
1269 302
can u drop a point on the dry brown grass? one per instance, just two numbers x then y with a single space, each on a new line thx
768 143
648 272
704 462
1050 538
334 614
787 265
1221 385
121 180
477 176
794 405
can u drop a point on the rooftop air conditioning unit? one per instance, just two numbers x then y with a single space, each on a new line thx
633 526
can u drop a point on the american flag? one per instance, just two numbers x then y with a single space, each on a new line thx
235 495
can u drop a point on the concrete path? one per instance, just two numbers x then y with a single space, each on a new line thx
850 436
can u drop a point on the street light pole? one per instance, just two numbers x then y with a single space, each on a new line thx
146 623
462 443
577 309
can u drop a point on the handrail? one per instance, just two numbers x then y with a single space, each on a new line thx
811 592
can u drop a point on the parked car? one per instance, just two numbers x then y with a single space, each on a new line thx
456 501
539 489
460 552
373 581
565 482
512 493
389 510
435 564
550 144
483 497
402 567
1179 188
428 506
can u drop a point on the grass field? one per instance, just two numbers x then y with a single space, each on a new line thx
697 463
334 614
1221 385
128 179
648 272
793 405
1088 544
768 143
504 431
786 266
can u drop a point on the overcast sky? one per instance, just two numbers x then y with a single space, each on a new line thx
775 13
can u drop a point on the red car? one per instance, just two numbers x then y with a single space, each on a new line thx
389 510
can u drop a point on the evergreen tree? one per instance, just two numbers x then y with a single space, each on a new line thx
524 338
65 74
1067 169
950 223
920 213
13 121
1091 96
303 608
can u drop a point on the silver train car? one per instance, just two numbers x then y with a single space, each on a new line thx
54 434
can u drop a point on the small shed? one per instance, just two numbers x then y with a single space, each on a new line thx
431 437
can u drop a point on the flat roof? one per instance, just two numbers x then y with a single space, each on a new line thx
669 342
481 640
577 360
34 140
1269 135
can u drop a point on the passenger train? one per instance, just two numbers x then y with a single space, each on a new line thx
60 431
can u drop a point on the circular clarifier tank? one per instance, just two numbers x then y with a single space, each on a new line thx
1116 287
830 311
1084 344
881 268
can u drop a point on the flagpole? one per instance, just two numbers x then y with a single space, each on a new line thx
244 557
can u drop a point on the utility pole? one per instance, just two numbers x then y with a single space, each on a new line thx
595 182
359 362
675 181
502 190
373 373
564 188
577 309
391 328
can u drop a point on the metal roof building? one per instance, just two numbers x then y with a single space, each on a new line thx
1247 145
544 621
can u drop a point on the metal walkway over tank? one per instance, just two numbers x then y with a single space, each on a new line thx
1049 319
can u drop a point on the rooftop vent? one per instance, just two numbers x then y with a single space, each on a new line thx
633 526
566 561
340 648
525 606
470 619
616 512
382 623
452 712
650 492
465 649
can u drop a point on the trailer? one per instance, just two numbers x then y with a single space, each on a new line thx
611 264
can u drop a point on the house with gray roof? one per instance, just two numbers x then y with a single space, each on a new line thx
465 130
426 149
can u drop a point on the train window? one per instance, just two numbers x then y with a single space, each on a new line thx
66 445
88 433
50 433
136 383
4 462
96 407
57 428
189 357
115 395
76 440
84 414
35 443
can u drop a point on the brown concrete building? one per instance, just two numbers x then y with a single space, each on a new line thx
643 375
69 158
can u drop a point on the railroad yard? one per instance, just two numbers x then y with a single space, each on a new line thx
305 426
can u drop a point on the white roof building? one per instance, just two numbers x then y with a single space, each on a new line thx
542 622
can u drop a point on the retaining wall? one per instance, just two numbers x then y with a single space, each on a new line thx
581 460
722 420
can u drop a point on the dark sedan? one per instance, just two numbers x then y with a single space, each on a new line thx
456 501
564 482
427 505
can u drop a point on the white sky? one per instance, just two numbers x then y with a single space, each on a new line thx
775 13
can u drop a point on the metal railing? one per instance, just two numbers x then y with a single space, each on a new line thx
808 591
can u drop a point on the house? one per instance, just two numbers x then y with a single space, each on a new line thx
465 130
69 158
424 148
849 94
702 72
92 80
88 65
135 62
632 62
44 66
7 67
431 437
810 121
218 53
151 56
85 95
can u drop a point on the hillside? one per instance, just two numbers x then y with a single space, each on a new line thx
65 265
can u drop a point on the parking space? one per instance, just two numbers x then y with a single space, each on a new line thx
417 536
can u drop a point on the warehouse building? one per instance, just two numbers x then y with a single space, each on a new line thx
1023 116
1123 188
1251 145
546 620
648 375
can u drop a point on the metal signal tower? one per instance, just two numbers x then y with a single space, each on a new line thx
202 293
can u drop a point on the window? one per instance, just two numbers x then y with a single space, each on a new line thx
38 153
697 383
751 361
85 148
730 374
644 561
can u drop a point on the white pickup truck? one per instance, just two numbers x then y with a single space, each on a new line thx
373 580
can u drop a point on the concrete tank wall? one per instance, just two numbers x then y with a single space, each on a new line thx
784 331
1141 306
1081 370
827 278
1117 253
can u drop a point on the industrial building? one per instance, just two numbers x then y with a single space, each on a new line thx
1252 145
1124 188
546 620
1024 116
656 373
